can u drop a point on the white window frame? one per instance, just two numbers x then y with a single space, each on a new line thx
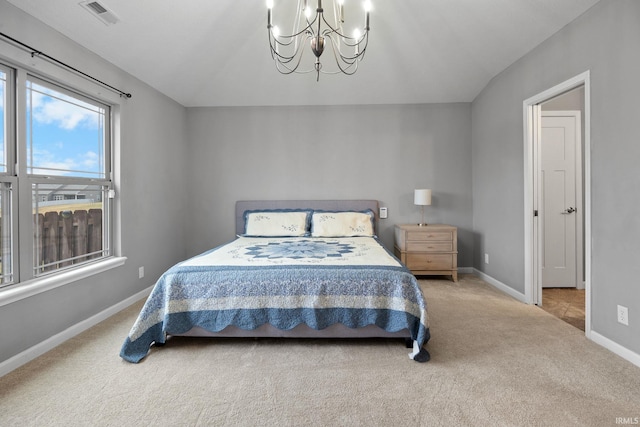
8 178
25 282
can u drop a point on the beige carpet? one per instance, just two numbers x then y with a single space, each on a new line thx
495 362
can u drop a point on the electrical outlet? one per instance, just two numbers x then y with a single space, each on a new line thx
140 272
486 258
623 315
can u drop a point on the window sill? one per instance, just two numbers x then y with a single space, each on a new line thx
33 287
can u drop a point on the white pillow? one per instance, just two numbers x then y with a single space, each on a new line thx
342 224
276 223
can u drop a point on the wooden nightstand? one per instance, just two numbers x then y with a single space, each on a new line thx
429 249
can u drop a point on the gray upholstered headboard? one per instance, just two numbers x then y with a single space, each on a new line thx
326 205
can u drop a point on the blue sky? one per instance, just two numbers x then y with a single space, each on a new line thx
65 136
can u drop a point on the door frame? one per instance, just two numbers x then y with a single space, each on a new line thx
531 129
579 205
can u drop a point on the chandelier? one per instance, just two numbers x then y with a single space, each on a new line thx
316 31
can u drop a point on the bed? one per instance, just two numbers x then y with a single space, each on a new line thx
297 269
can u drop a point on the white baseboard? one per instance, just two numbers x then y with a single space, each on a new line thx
50 343
501 286
616 348
466 270
605 342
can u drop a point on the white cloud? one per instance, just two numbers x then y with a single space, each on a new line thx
47 163
66 112
90 160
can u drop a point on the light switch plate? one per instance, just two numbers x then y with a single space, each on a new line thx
383 213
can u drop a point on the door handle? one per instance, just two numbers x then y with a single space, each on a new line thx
568 211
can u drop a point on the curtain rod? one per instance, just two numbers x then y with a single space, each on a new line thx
35 52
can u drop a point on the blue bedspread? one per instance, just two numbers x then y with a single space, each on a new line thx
283 282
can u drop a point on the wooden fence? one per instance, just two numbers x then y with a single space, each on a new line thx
66 238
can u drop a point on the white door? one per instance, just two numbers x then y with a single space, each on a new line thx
559 198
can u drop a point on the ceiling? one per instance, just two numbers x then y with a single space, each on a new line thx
215 52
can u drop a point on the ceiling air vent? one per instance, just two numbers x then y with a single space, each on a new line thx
100 11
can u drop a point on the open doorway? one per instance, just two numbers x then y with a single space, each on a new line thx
557 200
560 207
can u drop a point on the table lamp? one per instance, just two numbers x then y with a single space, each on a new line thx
422 197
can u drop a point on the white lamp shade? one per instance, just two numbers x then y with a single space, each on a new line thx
422 197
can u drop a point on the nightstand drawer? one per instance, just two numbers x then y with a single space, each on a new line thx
429 246
429 235
429 261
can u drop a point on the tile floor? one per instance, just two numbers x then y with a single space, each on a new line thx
565 303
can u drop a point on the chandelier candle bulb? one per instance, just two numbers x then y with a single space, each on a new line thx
367 9
356 36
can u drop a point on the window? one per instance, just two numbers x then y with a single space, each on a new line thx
55 178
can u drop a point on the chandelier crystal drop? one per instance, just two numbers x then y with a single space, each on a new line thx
312 29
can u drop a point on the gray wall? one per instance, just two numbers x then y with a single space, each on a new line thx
367 152
605 41
151 193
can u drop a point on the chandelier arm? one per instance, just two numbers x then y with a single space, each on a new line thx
357 42
331 29
359 56
286 68
330 33
286 59
349 59
308 28
339 31
283 43
349 70
353 63
339 42
283 58
283 61
275 55
291 70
